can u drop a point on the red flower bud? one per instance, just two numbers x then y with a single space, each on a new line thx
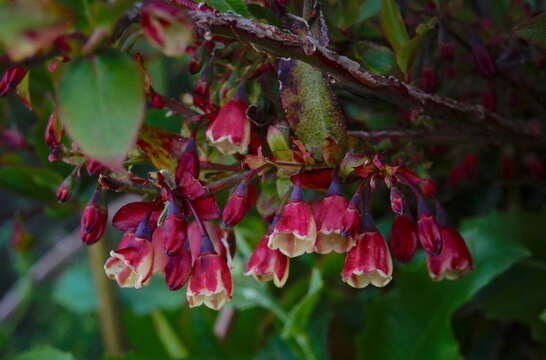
403 238
201 92
447 50
456 175
428 187
397 201
488 99
94 167
93 221
428 81
330 223
230 131
427 229
454 260
64 190
369 261
295 233
157 101
266 264
11 78
188 162
470 165
236 206
12 138
53 130
194 66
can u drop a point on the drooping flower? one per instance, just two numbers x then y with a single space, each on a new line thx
403 238
230 130
236 206
166 27
330 223
428 231
266 264
296 231
369 261
428 187
53 131
351 216
178 268
65 189
132 263
210 281
93 220
397 201
173 230
454 260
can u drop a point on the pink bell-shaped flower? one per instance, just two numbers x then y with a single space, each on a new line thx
295 233
329 222
266 264
230 130
369 261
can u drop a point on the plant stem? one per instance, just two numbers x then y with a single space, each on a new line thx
281 43
113 338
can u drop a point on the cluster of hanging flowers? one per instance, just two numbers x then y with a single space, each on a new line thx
178 234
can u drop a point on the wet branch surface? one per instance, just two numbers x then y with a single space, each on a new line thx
268 38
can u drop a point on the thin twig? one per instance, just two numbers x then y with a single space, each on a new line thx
277 42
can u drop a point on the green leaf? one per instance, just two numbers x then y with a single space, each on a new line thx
239 6
101 103
250 293
156 295
404 56
44 353
171 341
75 290
261 13
534 30
422 309
220 5
30 181
376 58
502 299
368 9
393 25
310 106
300 313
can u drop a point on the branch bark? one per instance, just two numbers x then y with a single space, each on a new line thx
268 38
